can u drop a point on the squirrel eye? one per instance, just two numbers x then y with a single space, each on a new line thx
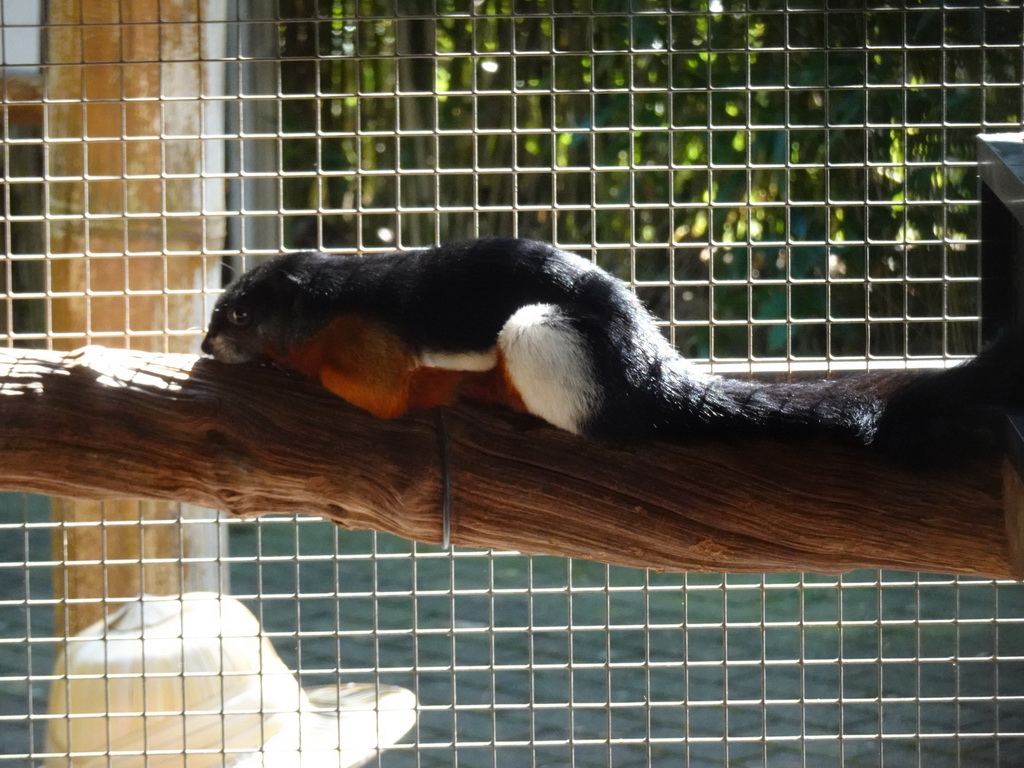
238 316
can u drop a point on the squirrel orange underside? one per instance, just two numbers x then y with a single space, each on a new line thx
363 362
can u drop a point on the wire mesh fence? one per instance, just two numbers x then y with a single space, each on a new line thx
787 186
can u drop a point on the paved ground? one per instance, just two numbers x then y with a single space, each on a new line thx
539 662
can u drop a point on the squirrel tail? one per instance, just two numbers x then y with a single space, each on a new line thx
948 416
918 418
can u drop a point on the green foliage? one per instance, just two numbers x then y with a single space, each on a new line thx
768 171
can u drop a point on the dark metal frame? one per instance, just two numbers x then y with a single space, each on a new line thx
1001 190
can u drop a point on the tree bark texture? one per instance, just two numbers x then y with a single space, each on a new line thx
103 424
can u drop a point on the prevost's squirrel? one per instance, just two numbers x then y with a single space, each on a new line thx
532 327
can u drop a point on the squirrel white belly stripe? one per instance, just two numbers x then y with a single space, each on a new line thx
459 361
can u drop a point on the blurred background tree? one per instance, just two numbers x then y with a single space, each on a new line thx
776 183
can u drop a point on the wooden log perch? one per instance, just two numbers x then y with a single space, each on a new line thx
102 424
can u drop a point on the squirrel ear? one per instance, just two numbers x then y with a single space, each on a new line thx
284 283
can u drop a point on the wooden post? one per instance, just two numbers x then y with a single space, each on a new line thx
129 230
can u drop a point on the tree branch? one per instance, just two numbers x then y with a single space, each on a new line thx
104 424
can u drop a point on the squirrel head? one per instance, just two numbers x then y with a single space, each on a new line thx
266 310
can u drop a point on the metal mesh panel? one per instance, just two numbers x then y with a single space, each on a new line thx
787 188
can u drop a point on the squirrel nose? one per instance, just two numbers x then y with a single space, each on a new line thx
207 346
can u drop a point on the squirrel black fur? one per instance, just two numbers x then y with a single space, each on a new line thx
524 324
